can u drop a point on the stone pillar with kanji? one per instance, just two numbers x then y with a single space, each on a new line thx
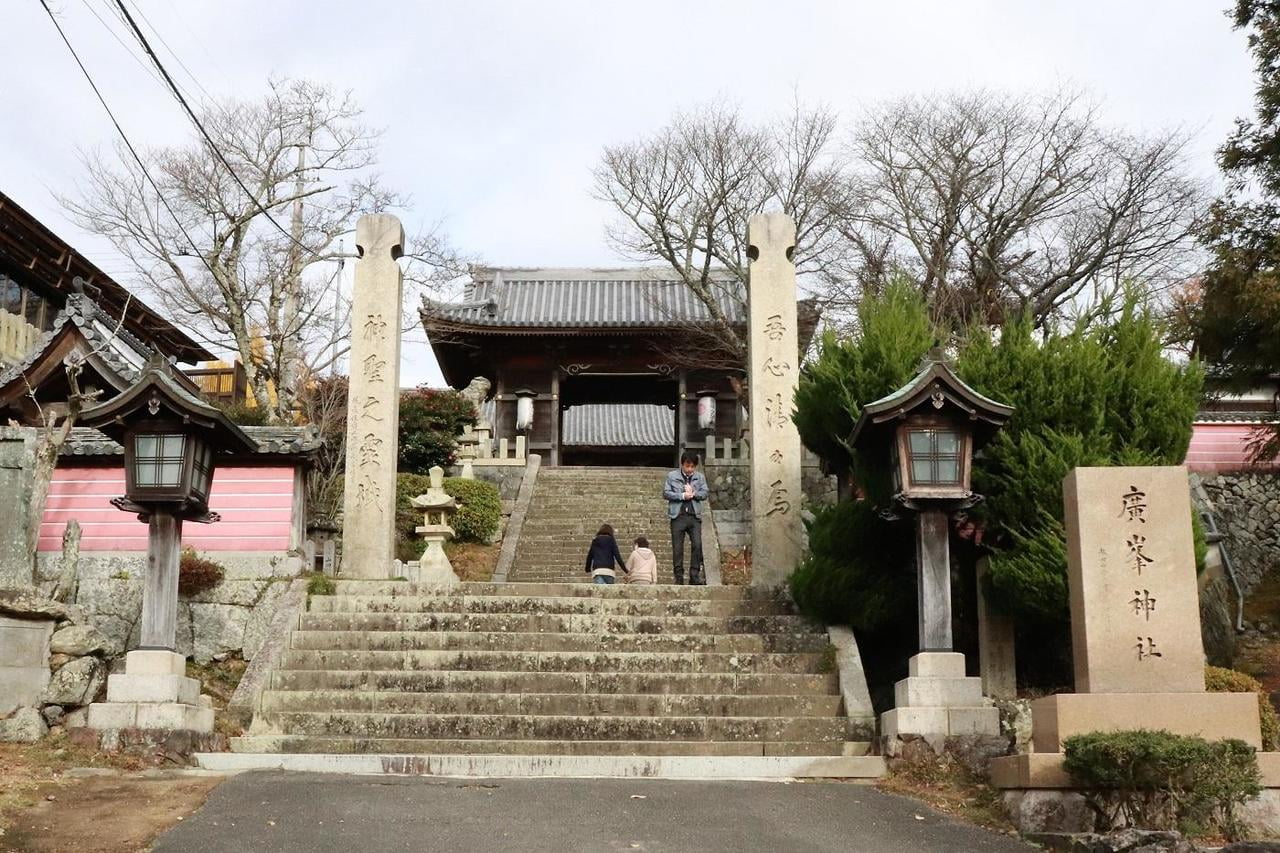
373 401
777 533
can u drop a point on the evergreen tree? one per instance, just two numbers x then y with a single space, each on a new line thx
1238 323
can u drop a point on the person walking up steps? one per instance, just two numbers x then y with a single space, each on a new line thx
642 565
601 556
685 490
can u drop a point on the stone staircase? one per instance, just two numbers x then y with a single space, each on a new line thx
554 679
568 507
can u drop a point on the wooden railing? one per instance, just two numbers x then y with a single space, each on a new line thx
17 337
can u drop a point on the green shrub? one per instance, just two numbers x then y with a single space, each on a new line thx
1159 780
1100 394
477 519
245 413
480 509
318 583
867 585
1221 680
430 421
894 335
197 574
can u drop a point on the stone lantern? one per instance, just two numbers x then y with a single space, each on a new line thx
929 430
170 439
438 507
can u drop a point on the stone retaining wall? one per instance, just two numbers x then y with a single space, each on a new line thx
1247 506
230 618
730 485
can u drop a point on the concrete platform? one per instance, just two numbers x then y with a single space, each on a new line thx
866 767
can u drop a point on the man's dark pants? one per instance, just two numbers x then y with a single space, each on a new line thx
682 525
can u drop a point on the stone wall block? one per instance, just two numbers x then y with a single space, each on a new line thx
77 683
217 629
25 726
78 641
255 632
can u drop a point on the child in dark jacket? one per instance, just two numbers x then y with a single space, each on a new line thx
601 556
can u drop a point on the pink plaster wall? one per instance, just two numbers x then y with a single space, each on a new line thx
256 505
1223 447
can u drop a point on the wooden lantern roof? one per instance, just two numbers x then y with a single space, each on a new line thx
157 390
935 389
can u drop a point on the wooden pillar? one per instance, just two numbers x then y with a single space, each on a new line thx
997 661
555 416
160 586
682 415
933 586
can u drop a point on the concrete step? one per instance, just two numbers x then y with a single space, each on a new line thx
554 590
557 642
551 622
428 749
656 662
602 682
581 604
553 704
554 727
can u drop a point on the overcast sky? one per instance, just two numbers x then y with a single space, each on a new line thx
495 112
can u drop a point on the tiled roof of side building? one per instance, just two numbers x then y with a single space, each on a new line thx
271 441
583 298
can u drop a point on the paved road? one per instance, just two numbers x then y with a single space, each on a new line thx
313 813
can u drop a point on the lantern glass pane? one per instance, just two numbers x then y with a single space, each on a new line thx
948 442
949 469
145 446
158 460
921 471
919 442
201 476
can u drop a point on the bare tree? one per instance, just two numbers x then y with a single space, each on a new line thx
995 203
684 195
247 271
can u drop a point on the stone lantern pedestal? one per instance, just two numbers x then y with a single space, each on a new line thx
437 508
153 693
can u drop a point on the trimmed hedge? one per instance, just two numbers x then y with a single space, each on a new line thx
477 519
1158 780
1218 679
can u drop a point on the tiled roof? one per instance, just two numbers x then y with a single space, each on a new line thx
619 425
611 425
1239 417
116 347
582 298
271 440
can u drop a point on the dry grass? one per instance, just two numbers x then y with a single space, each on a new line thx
24 768
735 567
948 787
219 679
472 561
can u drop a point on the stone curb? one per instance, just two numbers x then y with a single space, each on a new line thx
524 497
244 701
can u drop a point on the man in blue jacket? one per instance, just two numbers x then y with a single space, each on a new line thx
685 491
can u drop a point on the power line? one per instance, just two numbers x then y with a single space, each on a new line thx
133 151
142 39
172 52
132 55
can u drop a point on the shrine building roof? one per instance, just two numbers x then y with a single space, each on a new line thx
524 300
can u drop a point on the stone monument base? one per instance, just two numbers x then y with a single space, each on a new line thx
152 693
1213 716
936 701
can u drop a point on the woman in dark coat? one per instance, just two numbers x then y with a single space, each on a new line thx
602 555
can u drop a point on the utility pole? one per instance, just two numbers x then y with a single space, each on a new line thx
290 350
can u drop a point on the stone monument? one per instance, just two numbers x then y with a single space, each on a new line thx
777 533
437 507
1135 616
373 401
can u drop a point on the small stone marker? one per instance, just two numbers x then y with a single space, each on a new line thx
777 533
373 401
1135 608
